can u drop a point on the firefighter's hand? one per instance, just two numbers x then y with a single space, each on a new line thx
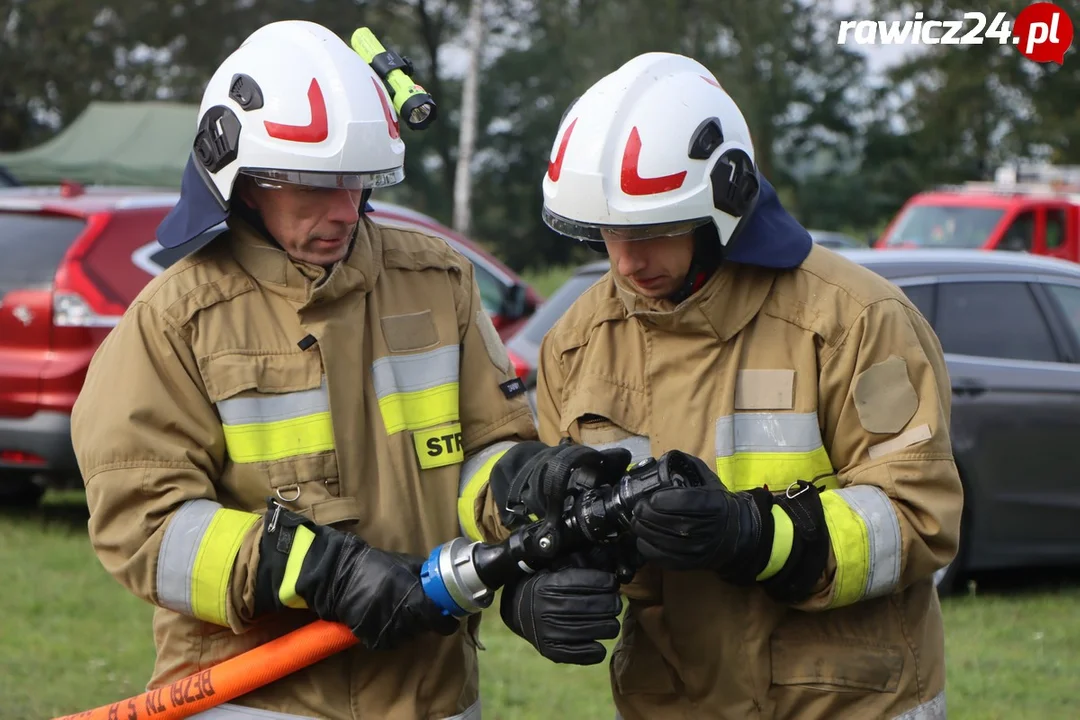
534 479
701 528
378 595
564 613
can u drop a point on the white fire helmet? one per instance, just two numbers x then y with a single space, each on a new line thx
293 104
656 148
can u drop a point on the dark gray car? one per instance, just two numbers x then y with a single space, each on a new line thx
1010 327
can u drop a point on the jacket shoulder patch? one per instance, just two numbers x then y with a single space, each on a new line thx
884 396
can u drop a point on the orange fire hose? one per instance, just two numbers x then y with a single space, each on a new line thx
230 679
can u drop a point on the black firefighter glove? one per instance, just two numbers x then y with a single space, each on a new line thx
565 612
532 478
376 593
711 528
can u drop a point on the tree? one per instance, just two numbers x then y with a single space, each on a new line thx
467 136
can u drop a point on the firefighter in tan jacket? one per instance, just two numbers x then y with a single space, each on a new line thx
797 582
286 421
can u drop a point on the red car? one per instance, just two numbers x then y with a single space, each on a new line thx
1039 215
74 259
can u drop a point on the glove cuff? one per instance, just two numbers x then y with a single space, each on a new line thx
799 524
755 539
514 498
297 558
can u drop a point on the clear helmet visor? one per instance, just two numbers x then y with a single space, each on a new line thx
277 179
591 232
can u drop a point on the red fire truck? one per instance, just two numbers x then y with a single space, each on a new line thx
1026 208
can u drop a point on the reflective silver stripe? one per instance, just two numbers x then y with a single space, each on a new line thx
419 371
229 711
473 464
270 408
638 445
876 511
933 709
177 554
767 432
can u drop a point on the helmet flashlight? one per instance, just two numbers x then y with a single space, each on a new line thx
411 101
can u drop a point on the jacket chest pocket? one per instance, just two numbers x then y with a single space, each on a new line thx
602 415
418 396
279 437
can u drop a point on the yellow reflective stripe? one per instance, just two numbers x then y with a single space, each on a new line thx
439 447
851 546
777 470
783 539
301 544
419 409
213 563
260 442
474 477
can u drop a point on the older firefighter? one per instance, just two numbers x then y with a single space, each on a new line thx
285 421
798 582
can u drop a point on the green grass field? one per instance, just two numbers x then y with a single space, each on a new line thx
71 639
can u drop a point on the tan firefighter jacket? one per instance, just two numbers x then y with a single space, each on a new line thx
823 372
200 404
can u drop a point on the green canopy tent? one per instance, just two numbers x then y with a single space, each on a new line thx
113 143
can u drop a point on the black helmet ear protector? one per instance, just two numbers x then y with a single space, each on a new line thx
735 189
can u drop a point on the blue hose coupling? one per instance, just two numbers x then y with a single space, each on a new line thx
449 579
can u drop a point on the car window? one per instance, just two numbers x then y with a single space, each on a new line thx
1068 298
944 226
993 319
492 292
553 308
923 296
1055 228
1020 235
32 247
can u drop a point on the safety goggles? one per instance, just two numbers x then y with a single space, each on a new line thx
278 179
